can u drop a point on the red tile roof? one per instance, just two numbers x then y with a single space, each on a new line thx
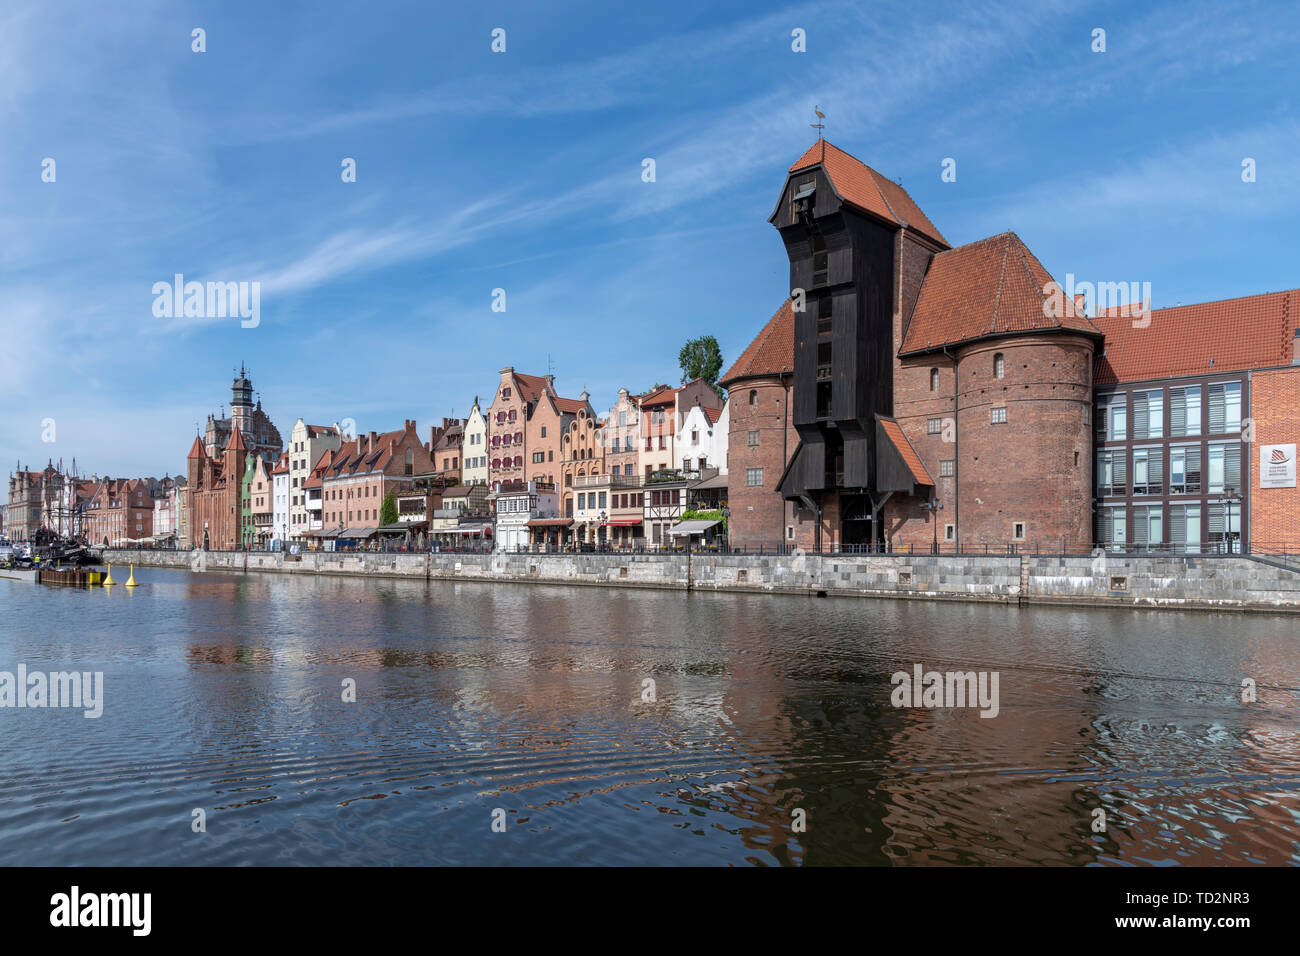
530 386
236 442
712 414
860 185
196 450
894 432
1231 335
771 352
569 405
990 287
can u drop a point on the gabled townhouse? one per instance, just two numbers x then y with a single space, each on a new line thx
281 497
702 439
306 445
261 503
547 429
119 513
663 411
474 450
508 436
447 441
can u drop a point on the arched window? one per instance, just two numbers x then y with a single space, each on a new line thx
753 397
999 367
934 380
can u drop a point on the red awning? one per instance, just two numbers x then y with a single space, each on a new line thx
629 523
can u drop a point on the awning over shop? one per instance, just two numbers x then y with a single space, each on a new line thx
698 526
401 527
550 522
358 534
322 533
473 529
626 523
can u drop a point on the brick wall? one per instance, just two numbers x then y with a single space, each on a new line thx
759 516
1275 409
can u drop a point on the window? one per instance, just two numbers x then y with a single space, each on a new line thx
999 366
1148 525
946 468
999 416
934 380
1185 411
1112 417
1184 469
1148 471
753 397
538 457
1225 408
1185 527
934 426
753 436
543 431
1111 528
949 532
1018 531
1111 470
1224 466
753 477
695 436
582 500
1148 414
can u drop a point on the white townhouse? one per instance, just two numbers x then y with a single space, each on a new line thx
702 439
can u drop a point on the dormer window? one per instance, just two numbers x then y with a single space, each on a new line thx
801 200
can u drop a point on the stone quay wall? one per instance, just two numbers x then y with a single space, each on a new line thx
1217 583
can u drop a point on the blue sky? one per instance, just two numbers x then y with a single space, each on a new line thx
522 170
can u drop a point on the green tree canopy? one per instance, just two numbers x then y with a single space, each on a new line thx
388 510
701 358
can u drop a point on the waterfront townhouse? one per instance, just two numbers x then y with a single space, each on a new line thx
356 478
463 521
516 505
513 404
261 503
546 432
474 450
663 497
702 439
306 445
580 448
663 411
281 497
447 441
622 435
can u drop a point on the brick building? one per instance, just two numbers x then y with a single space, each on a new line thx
212 493
260 436
119 512
927 395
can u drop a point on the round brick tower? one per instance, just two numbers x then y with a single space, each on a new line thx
1024 466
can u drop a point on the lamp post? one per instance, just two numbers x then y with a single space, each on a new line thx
1230 496
934 507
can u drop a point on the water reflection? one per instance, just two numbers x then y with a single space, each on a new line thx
226 692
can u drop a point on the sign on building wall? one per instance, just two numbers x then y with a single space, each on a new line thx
1277 466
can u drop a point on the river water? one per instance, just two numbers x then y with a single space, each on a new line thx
771 738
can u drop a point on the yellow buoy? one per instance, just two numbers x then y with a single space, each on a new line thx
130 582
108 579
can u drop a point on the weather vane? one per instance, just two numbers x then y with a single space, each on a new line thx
819 125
